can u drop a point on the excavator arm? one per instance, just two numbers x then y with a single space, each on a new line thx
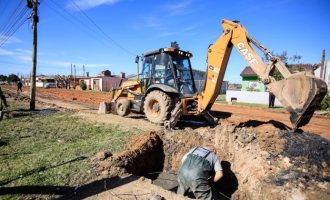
300 93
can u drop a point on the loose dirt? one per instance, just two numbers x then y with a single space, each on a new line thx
256 165
261 159
238 115
250 116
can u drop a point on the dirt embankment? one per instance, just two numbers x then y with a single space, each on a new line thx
258 162
251 116
238 115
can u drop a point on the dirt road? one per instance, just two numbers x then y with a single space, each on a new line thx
256 116
283 163
250 116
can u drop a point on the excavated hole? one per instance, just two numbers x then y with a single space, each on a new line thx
255 160
157 156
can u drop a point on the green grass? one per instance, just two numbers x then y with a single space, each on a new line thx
222 100
46 149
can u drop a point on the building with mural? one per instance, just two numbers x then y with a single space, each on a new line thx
250 81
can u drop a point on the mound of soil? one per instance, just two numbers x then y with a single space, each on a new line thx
258 161
144 154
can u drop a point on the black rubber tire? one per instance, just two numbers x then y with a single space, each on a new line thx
157 106
122 107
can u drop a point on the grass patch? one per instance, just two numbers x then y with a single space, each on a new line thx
53 149
221 99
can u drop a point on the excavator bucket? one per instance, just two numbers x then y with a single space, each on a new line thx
301 95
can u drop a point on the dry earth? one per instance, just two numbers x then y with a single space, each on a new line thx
261 159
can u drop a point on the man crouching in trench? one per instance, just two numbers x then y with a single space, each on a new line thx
200 167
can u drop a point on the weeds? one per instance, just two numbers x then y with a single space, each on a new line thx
53 149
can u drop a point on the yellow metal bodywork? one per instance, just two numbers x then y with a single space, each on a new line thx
129 85
299 93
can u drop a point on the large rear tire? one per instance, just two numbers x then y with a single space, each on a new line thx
157 106
122 107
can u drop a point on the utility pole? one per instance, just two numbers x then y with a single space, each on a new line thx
71 78
74 67
33 4
322 74
83 70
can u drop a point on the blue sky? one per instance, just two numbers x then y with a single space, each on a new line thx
134 26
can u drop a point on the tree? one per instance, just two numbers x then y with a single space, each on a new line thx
12 78
295 59
83 85
325 104
3 77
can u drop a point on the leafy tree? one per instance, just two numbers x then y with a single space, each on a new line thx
12 78
83 85
295 59
3 77
325 104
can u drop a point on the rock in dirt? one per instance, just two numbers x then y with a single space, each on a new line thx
104 108
101 155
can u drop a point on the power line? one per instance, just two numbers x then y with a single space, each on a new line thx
101 30
73 19
7 22
13 17
10 32
17 18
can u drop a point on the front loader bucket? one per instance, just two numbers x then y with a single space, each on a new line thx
301 95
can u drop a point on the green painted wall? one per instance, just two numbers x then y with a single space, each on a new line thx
252 83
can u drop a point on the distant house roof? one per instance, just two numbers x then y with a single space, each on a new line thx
303 67
248 71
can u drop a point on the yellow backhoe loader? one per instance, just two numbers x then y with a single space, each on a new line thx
165 88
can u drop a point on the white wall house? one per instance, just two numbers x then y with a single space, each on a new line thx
326 73
249 97
256 94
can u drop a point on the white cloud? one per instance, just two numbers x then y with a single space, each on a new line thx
9 40
180 8
152 22
88 4
4 52
190 30
66 64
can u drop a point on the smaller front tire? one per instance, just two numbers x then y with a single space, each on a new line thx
122 107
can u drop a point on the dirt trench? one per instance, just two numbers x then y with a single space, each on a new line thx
259 163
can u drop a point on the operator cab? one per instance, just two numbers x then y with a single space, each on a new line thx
171 67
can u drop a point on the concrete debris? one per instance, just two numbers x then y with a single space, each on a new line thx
104 108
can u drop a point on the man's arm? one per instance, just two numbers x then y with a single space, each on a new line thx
218 175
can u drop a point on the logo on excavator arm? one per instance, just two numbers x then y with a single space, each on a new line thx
245 51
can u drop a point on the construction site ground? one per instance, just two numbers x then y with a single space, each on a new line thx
261 158
238 115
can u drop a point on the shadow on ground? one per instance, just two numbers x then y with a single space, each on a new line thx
38 170
67 192
255 123
199 121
